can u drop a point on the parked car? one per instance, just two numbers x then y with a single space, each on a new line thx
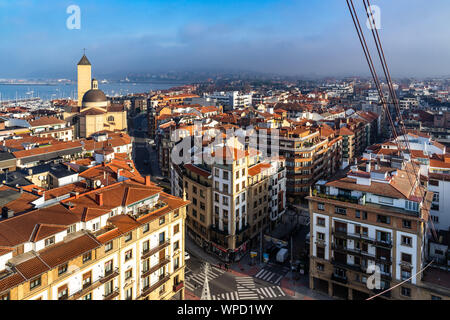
282 255
186 256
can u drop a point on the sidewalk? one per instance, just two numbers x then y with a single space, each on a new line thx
198 252
299 289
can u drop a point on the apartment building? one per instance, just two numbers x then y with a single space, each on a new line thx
311 154
372 216
120 242
233 200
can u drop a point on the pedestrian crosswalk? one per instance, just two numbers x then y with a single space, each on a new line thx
246 288
226 296
261 293
194 281
269 276
270 292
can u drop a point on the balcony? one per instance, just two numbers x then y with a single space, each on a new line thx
109 275
353 251
341 198
178 287
156 267
144 210
159 247
111 295
383 243
162 279
339 278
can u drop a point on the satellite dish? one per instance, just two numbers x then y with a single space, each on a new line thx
41 178
98 183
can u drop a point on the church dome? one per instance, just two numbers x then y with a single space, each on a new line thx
94 95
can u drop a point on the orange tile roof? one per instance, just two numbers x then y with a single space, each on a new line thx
52 148
19 229
258 168
45 121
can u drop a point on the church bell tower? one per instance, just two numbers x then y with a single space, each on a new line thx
84 77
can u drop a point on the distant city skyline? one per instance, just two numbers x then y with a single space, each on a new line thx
286 37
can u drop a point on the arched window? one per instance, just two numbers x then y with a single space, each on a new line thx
110 119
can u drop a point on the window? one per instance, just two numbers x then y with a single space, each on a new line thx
243 172
407 224
216 209
406 274
128 274
162 289
176 245
320 221
436 197
435 298
217 172
406 258
237 174
128 236
95 226
320 252
146 227
129 294
194 202
406 241
364 215
49 241
108 246
87 257
108 267
202 217
340 210
145 246
62 269
383 219
108 288
177 212
162 237
237 187
320 236
176 229
434 183
358 214
225 175
194 213
176 263
63 292
128 255
320 266
35 283
406 292
321 206
162 220
216 197
194 189
225 201
87 279
5 296
88 296
202 206
225 188
71 229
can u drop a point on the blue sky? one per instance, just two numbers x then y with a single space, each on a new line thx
295 37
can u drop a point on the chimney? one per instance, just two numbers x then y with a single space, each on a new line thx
147 181
99 199
368 165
